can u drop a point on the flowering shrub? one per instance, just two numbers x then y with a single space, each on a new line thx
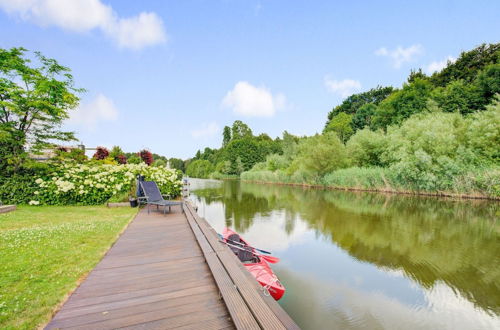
91 184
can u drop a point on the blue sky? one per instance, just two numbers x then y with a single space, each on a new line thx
169 75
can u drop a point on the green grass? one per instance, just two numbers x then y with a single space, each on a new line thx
44 251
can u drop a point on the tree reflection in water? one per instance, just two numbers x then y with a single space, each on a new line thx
431 240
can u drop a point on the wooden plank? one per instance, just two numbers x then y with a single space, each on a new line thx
155 273
239 311
7 208
266 311
137 309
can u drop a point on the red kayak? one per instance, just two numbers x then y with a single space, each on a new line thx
256 265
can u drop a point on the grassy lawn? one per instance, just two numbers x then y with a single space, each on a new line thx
44 251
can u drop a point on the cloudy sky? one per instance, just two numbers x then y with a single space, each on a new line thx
169 75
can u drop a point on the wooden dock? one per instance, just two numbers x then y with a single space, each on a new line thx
170 271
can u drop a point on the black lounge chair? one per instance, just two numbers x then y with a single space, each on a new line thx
153 196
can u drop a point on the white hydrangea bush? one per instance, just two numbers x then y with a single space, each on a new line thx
91 184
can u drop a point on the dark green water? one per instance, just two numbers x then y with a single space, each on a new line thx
366 260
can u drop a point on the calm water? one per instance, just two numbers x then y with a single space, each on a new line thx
365 260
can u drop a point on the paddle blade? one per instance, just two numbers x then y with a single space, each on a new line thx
270 259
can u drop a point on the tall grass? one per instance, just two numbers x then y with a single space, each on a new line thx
479 183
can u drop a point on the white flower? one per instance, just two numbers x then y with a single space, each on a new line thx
34 203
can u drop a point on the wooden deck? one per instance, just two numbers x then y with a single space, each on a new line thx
170 271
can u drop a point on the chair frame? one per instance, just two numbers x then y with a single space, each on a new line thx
160 202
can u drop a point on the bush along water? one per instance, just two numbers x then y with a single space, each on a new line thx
433 152
70 183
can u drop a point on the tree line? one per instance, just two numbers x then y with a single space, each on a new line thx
436 133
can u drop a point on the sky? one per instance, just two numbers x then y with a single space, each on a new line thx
169 75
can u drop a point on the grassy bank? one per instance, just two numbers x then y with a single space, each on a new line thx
45 251
479 184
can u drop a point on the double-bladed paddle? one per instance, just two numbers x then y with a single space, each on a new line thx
270 259
239 243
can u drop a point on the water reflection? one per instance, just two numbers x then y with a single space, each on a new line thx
363 260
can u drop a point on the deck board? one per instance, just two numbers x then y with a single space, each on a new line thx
170 271
154 276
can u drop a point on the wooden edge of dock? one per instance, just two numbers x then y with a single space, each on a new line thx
246 301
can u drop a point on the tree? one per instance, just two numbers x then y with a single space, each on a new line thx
240 130
34 101
146 156
177 163
226 136
341 125
199 169
101 153
468 65
458 96
351 104
366 148
321 154
402 104
363 117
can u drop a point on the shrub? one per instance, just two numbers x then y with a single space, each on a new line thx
121 159
134 159
101 153
199 169
320 154
146 156
366 147
83 184
160 163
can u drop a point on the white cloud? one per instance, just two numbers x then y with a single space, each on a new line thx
207 130
439 65
143 30
248 100
98 110
344 87
401 55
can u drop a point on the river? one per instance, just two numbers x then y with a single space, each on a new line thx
352 260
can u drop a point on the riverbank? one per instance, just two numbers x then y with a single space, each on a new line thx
377 190
479 184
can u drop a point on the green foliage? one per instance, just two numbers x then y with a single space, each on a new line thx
429 151
75 154
468 65
458 96
159 163
320 154
177 163
199 169
366 147
341 125
243 154
134 159
226 135
34 101
81 184
363 117
400 105
483 133
354 102
240 130
488 81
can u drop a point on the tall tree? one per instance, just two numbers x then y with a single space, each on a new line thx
226 136
240 130
34 101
